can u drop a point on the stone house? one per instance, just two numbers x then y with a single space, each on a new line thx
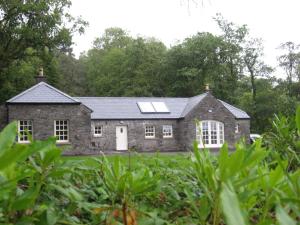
91 124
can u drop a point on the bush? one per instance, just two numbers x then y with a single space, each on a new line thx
253 185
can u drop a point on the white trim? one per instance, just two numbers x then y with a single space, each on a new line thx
68 130
121 138
171 131
147 136
19 131
219 139
94 130
237 128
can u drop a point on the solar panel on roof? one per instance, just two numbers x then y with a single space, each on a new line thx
160 107
146 107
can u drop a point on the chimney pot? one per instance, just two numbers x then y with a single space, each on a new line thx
207 87
40 77
41 72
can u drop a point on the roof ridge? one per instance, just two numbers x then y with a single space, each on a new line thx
23 92
232 106
55 89
183 114
129 97
37 85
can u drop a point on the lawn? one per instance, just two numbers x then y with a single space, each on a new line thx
133 159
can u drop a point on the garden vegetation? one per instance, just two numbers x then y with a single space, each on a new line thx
255 184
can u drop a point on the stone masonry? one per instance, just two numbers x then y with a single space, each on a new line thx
43 116
208 109
136 135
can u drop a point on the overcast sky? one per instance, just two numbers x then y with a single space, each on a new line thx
275 21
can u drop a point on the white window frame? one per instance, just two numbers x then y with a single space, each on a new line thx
167 131
24 133
61 130
209 134
95 127
149 129
237 128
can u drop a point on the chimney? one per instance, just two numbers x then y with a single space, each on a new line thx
207 89
40 77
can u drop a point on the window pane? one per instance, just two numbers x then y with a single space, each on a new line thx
212 133
167 131
149 131
24 130
61 130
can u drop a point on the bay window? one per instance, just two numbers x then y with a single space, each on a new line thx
210 134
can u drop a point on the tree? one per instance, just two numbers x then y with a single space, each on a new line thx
191 64
120 65
33 28
255 67
113 37
290 62
231 53
72 73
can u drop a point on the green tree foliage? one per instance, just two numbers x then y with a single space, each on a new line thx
72 73
120 65
30 32
39 33
193 63
290 62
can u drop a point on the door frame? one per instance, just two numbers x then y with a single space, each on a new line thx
125 130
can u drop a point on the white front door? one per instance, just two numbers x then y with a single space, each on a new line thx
121 138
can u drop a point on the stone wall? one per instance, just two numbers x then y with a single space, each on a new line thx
136 135
244 130
3 116
208 109
43 116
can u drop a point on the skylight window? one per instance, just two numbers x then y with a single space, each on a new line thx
160 107
146 107
153 107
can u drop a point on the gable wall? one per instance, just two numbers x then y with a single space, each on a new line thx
136 135
244 130
3 116
200 112
43 116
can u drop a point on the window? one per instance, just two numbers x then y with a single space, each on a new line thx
24 130
149 131
210 134
61 130
167 131
98 130
237 128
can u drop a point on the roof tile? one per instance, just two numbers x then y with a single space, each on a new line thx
42 93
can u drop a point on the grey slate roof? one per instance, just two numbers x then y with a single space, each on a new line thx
42 93
117 107
238 113
192 102
127 108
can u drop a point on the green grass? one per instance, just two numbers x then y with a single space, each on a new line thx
133 158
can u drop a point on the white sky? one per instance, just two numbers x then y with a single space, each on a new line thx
275 21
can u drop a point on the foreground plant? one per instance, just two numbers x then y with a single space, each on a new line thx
33 185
